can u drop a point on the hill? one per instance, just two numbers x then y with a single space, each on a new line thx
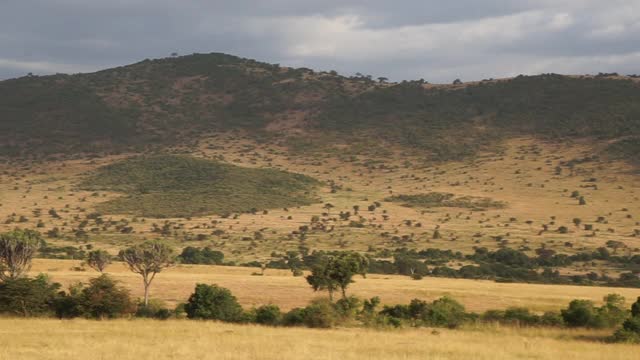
181 186
175 101
530 179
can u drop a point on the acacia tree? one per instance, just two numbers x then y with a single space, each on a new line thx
148 259
98 260
347 265
16 251
336 272
321 279
328 207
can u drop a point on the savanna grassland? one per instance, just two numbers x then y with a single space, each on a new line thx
501 193
174 339
281 288
531 181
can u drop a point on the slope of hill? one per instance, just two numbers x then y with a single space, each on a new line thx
537 164
181 186
177 100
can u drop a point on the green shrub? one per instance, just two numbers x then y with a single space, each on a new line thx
213 303
28 297
156 309
551 318
612 313
103 298
268 315
580 313
69 305
521 316
295 317
630 331
207 256
348 307
445 312
321 313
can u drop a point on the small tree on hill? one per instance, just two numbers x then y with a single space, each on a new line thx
328 207
17 249
148 259
98 260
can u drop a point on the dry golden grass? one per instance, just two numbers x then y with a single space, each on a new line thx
175 339
281 288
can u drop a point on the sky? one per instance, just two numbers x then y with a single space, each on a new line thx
436 40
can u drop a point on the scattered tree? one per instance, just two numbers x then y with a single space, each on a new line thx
98 260
148 259
17 249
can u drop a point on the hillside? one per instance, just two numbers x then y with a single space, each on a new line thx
180 186
175 101
530 179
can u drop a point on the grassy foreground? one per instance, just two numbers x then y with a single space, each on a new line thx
176 339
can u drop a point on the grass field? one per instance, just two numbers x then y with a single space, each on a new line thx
175 339
281 288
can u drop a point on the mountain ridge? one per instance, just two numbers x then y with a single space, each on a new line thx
176 100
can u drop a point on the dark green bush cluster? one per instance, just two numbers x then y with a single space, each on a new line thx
520 316
443 312
630 331
181 186
505 264
101 298
583 313
206 256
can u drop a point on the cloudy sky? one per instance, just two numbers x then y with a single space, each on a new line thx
438 40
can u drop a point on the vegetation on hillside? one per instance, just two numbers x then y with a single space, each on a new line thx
436 199
176 100
181 186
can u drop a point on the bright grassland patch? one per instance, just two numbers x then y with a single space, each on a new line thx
181 186
280 287
438 199
174 339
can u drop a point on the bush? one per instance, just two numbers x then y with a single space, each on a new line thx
630 331
551 318
28 297
348 308
192 255
156 309
69 305
295 317
612 313
213 303
445 312
103 298
268 315
320 313
580 313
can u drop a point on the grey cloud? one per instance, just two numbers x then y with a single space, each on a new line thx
410 39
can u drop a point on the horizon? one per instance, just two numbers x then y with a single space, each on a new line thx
464 81
439 42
